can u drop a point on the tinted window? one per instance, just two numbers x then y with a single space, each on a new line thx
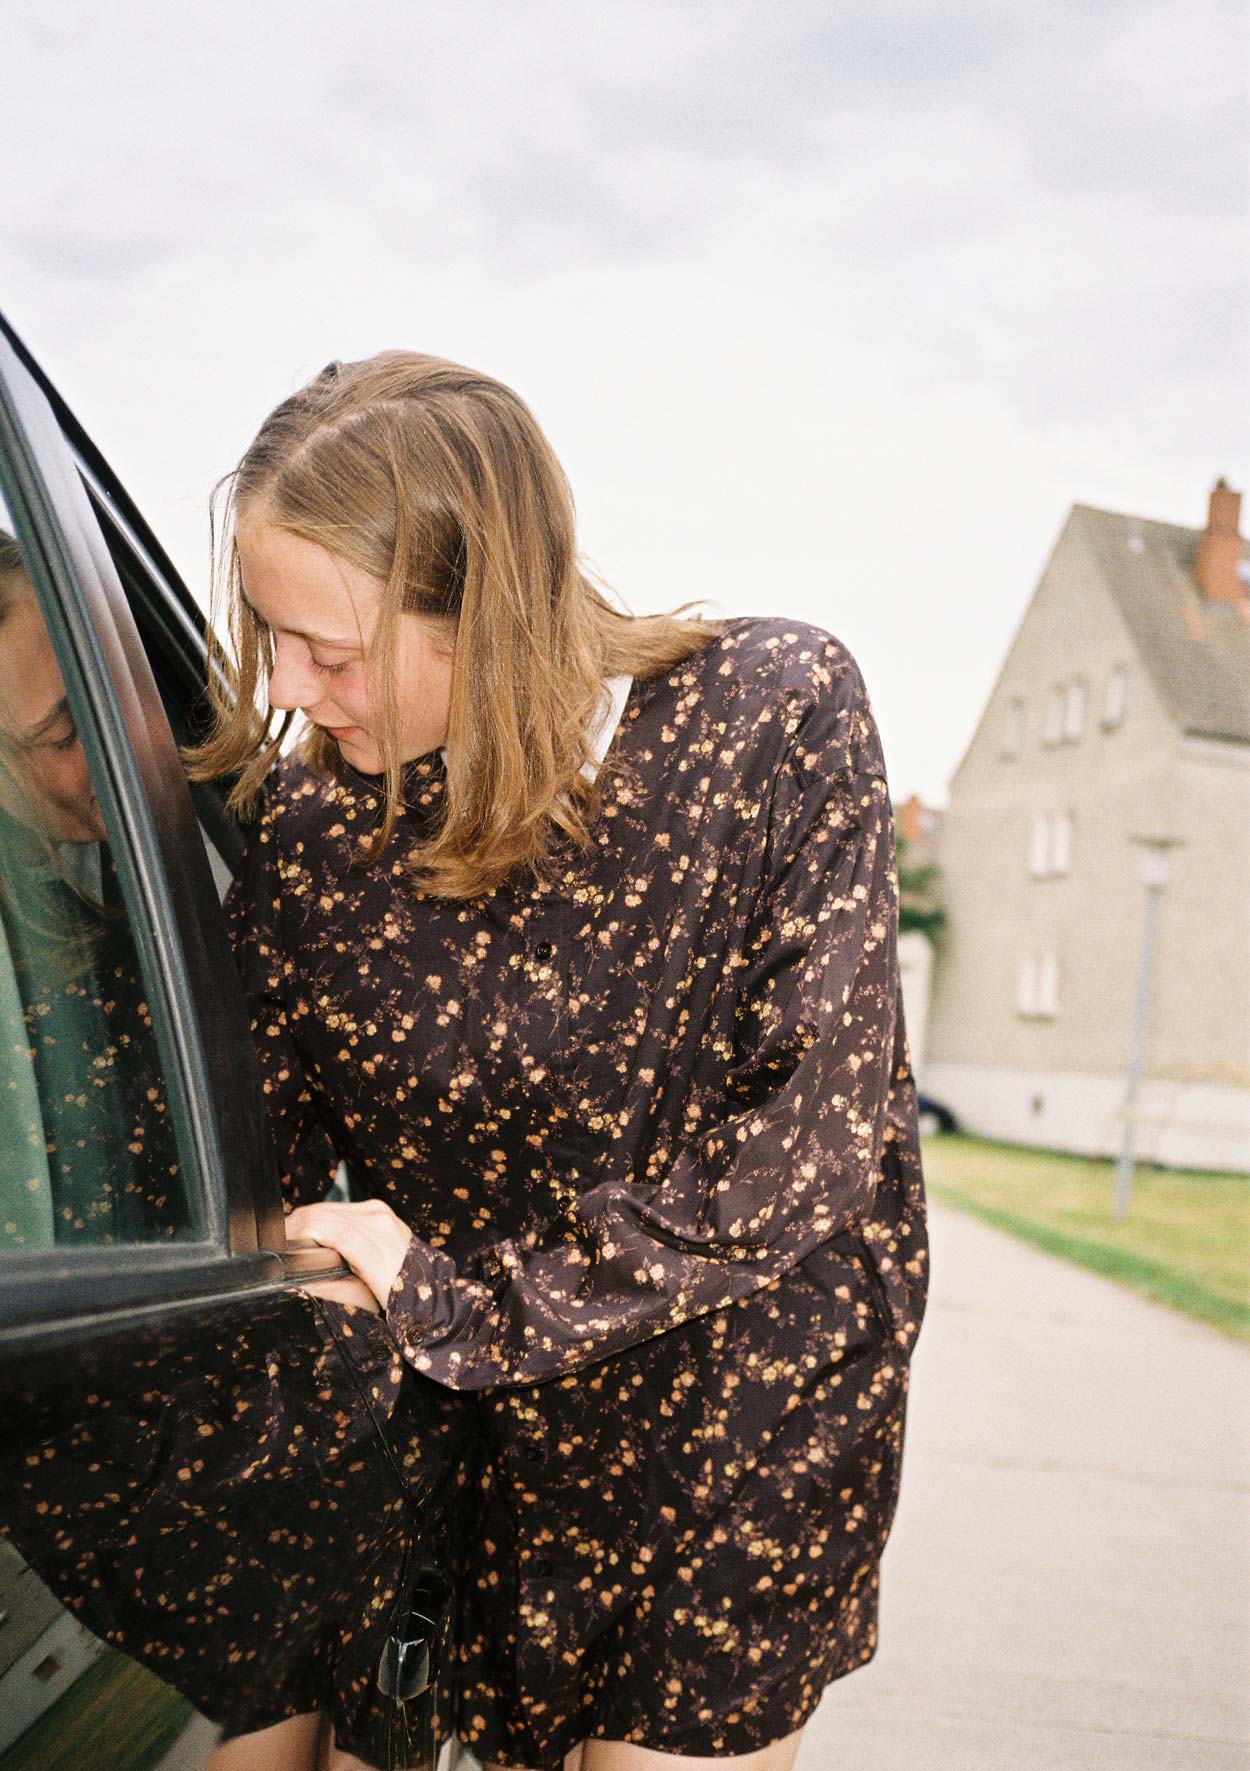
89 1153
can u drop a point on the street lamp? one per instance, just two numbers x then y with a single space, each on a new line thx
1154 871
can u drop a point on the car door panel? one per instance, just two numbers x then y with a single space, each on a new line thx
244 1501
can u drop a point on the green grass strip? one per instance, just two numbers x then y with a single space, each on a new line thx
1161 1284
116 1717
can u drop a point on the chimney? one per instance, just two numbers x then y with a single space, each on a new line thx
917 824
1219 550
909 819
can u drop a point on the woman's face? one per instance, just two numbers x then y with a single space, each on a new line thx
321 612
50 789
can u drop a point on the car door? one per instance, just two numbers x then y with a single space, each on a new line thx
233 1481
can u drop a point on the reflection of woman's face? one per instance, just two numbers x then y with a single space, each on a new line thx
52 789
321 612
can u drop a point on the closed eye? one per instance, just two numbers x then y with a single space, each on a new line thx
47 742
330 669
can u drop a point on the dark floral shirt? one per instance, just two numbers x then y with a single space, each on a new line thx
616 1103
653 1123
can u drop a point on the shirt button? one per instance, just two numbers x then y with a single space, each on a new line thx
544 1567
532 1454
543 951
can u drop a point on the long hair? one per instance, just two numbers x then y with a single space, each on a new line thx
439 483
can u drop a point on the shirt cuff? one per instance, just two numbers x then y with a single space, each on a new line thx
413 1302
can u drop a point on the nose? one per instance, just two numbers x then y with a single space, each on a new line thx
77 777
82 775
290 683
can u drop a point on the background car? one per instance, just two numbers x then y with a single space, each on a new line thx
934 1116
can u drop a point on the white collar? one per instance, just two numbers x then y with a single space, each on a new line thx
618 688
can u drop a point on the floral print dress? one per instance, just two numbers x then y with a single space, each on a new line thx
653 1123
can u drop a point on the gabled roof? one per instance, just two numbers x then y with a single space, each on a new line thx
1196 651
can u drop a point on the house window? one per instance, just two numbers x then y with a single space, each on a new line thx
1113 705
1061 843
1037 986
1039 845
1052 728
1074 710
1050 844
1026 986
1013 732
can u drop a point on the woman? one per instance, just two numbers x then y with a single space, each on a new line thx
574 934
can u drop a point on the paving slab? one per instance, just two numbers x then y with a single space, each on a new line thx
1068 1578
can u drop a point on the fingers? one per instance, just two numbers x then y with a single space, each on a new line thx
368 1235
332 1226
325 1223
333 1214
344 1291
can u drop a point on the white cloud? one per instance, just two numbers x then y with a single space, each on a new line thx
827 310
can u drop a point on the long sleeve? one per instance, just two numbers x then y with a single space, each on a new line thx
306 1158
794 1156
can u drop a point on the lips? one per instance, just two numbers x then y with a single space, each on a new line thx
341 732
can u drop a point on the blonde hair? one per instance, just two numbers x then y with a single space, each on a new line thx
439 482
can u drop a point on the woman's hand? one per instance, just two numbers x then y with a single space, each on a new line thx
351 1291
369 1236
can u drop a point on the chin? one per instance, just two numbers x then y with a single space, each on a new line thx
365 758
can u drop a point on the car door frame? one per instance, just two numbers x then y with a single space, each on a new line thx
215 1092
172 626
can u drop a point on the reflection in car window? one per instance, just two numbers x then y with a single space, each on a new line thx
88 1151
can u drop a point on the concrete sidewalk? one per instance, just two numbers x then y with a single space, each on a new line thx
1068 1579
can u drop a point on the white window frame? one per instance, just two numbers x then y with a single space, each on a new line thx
1061 843
1115 698
1074 710
1026 986
1037 986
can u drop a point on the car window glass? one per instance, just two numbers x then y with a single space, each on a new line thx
88 1150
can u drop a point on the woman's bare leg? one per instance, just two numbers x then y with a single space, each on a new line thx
572 1760
615 1755
292 1745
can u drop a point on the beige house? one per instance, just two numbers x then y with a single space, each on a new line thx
1116 739
918 830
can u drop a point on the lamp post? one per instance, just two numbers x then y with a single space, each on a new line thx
1154 870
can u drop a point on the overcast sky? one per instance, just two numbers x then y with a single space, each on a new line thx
830 310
